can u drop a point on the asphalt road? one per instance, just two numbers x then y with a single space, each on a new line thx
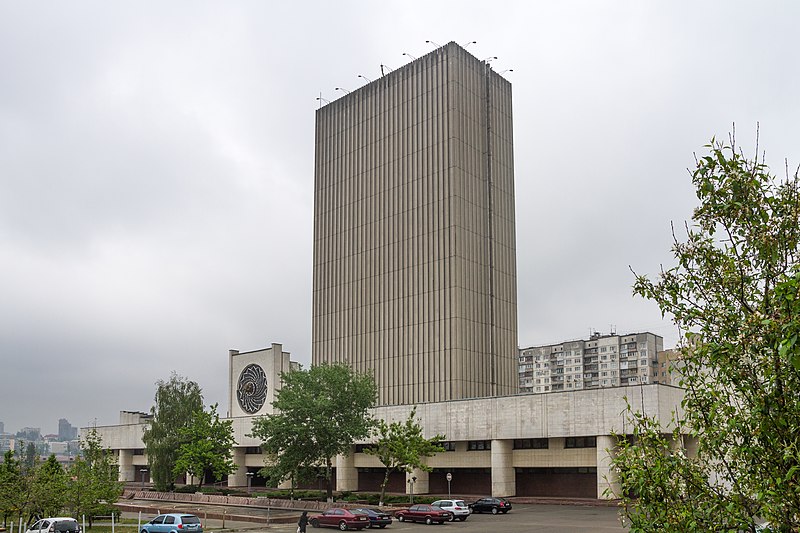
522 518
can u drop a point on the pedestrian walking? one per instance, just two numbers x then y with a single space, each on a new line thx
302 523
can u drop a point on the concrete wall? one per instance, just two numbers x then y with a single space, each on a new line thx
414 236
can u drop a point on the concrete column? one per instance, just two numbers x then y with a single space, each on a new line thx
608 487
504 482
127 472
238 478
346 472
692 445
421 484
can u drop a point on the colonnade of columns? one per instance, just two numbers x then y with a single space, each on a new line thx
503 471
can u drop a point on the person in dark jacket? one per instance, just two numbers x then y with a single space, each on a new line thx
303 522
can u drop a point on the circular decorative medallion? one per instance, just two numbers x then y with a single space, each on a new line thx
252 388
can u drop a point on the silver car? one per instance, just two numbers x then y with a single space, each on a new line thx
60 524
459 509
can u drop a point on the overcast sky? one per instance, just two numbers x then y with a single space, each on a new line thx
156 169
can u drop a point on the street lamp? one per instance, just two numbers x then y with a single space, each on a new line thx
366 78
437 45
409 55
411 484
143 471
249 480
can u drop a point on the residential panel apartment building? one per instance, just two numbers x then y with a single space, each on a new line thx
600 361
414 232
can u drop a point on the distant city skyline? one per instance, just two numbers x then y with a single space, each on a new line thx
61 424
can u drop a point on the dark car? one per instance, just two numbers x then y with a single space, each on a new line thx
344 519
491 505
377 518
422 512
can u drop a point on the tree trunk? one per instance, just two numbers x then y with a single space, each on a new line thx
328 479
383 485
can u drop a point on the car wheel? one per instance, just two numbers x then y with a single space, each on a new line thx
452 517
314 523
428 520
342 526
494 510
400 518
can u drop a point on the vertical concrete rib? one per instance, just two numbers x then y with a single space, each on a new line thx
414 267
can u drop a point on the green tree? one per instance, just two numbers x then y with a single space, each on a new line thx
176 402
31 458
207 447
735 292
49 487
402 447
94 484
12 487
319 413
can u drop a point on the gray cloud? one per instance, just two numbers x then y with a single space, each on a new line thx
156 169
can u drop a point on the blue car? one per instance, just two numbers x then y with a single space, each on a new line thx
173 523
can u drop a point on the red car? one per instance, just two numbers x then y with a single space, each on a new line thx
422 512
341 518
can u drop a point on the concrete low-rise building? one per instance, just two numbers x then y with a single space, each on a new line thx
557 444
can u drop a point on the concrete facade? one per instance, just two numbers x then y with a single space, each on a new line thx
600 361
488 441
414 234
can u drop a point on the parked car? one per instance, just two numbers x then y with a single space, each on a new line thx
173 523
423 512
344 519
457 508
59 524
491 505
377 518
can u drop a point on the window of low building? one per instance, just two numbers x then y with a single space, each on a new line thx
477 445
580 442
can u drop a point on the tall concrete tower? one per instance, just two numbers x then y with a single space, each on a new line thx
414 236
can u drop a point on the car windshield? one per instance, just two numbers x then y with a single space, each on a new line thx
190 519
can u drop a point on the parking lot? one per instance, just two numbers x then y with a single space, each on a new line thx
522 518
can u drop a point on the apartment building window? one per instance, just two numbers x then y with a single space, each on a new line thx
531 444
580 442
478 445
449 445
138 451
